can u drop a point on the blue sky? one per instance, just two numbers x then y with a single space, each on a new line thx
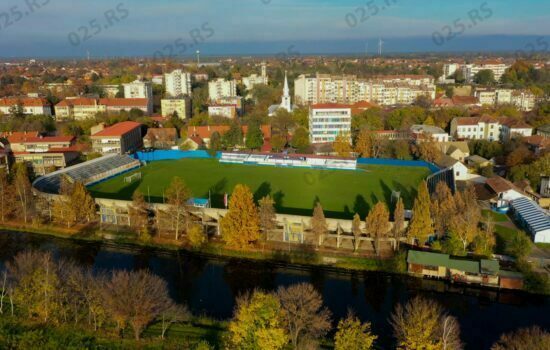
244 22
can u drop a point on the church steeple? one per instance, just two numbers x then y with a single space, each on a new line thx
286 102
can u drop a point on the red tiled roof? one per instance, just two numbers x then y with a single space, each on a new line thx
118 129
24 101
330 106
124 102
18 136
467 121
465 100
80 101
48 139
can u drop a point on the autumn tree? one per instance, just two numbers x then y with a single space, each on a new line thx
464 223
351 334
174 313
267 214
303 313
64 211
196 236
241 225
422 324
82 198
278 142
378 223
428 150
356 230
319 226
364 143
421 222
398 221
533 338
139 214
136 298
485 241
519 246
23 192
342 146
443 208
257 323
6 196
300 139
177 197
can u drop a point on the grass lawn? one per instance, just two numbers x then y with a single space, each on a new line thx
341 192
497 217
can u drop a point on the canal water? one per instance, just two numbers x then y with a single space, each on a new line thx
208 285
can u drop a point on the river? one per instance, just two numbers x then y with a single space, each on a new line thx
208 285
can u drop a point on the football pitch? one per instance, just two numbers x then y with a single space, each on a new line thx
294 190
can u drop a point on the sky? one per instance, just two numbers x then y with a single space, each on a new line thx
58 28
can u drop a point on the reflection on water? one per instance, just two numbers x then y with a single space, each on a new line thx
209 285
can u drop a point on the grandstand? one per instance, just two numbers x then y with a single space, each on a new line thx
88 173
289 160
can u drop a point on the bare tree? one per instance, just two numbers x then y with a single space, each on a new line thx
533 338
136 298
173 314
303 312
266 210
450 333
178 194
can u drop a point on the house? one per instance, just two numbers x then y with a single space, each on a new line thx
514 128
446 162
29 105
120 138
193 143
478 161
458 150
161 138
537 143
480 272
435 133
503 192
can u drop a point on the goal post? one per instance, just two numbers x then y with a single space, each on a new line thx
132 178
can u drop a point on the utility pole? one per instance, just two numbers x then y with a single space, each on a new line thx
380 46
198 58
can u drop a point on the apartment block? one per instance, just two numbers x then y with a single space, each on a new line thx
220 88
178 83
327 121
29 105
179 105
120 138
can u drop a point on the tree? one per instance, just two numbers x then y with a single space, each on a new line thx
233 137
177 195
64 211
421 222
215 142
278 142
354 335
533 338
173 314
23 191
136 298
82 198
6 196
267 214
342 146
485 77
519 246
241 225
485 241
196 236
139 214
468 214
422 324
303 313
428 150
356 230
364 143
319 226
254 136
300 139
443 208
282 122
378 223
398 220
257 323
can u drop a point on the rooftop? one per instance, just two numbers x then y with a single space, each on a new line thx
118 129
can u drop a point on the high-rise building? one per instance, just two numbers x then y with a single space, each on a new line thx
470 70
178 83
140 89
255 79
220 88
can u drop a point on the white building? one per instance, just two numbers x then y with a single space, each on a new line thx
347 89
286 102
255 79
327 121
227 111
29 105
179 105
514 128
450 69
470 70
178 83
435 133
523 99
476 128
220 88
140 89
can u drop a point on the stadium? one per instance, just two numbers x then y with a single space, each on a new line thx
295 182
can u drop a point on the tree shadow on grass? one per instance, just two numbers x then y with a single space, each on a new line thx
263 190
361 206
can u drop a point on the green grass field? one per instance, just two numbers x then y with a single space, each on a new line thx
341 192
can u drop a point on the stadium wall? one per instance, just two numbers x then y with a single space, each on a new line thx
398 162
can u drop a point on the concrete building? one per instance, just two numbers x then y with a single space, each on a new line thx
524 100
327 121
120 138
140 89
514 128
220 88
449 69
347 89
29 105
476 128
227 111
180 105
80 108
110 90
470 70
255 79
420 132
178 83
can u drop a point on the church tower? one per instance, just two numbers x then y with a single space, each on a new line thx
286 103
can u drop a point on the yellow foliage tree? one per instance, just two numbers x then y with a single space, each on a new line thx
241 225
364 143
353 335
342 145
421 223
196 236
378 222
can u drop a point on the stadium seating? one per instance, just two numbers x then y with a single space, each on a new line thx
283 160
87 173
